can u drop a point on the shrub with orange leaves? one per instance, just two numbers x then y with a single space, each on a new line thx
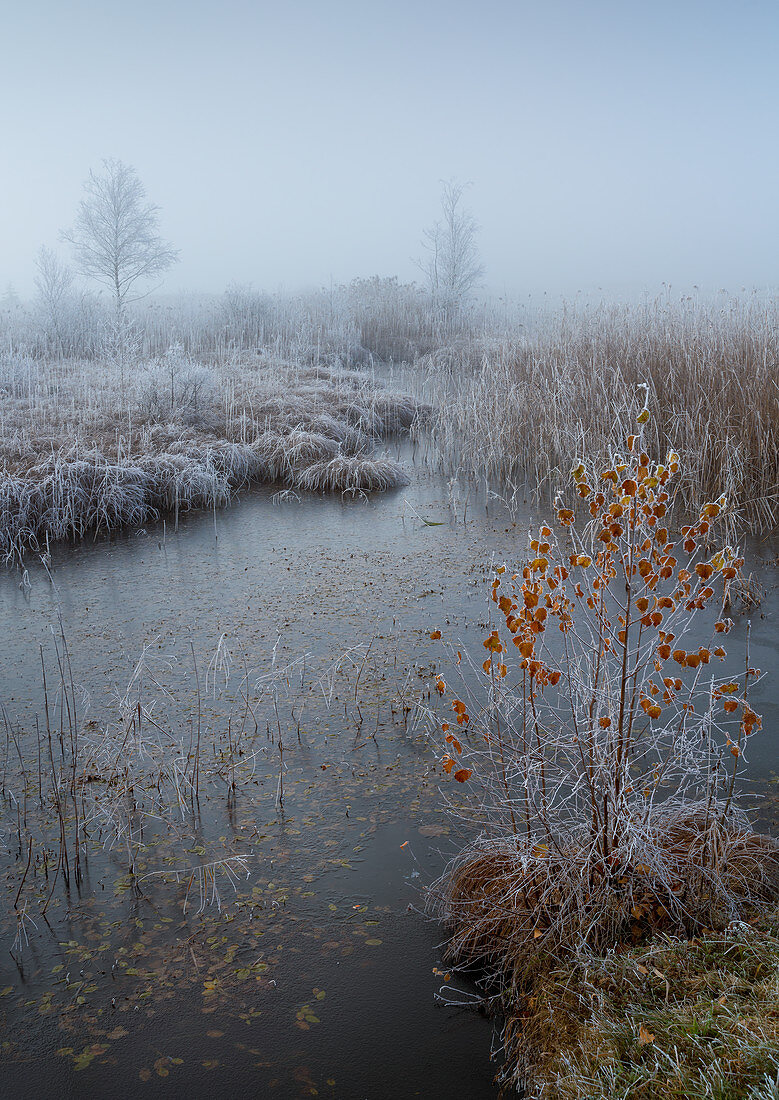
599 747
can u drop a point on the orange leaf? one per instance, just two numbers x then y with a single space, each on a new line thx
463 774
645 1036
435 635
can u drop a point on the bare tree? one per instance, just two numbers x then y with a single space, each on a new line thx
53 283
115 239
452 267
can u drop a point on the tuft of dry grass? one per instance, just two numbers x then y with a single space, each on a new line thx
352 474
659 1012
514 907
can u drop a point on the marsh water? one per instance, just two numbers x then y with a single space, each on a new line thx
315 972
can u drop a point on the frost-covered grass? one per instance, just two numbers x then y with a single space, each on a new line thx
87 448
674 1018
528 406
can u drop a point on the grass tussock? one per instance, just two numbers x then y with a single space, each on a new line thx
83 450
532 405
352 474
514 907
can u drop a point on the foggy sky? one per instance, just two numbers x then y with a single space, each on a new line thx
616 144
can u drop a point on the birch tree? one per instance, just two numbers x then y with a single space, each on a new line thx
53 283
452 265
115 238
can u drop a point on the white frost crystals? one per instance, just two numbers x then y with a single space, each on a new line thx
81 453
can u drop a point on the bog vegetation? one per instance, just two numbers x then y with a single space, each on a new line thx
83 453
518 392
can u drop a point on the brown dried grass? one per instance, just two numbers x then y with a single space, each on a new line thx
528 407
513 909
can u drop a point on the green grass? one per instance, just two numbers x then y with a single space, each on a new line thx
688 1019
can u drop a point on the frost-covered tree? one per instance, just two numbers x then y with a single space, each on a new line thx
53 283
452 265
115 237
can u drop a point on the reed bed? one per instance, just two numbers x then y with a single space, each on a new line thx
528 407
84 450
